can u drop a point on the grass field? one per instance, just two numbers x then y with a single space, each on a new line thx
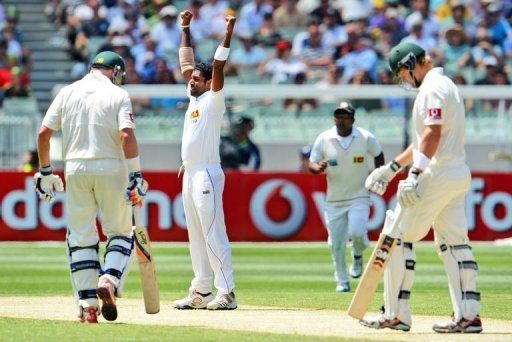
284 276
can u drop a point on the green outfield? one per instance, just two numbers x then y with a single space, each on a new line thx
284 276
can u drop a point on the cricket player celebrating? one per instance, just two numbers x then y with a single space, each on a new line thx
432 195
342 153
102 171
203 181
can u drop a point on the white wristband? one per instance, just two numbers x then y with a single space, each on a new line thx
133 164
420 161
222 53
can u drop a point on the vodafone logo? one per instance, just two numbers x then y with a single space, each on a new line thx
275 191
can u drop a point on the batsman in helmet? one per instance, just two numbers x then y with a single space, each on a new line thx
433 195
102 172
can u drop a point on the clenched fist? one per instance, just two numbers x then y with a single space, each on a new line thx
186 17
230 23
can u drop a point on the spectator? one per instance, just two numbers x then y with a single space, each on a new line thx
268 35
421 13
353 35
499 78
166 33
132 77
214 11
498 26
455 52
288 15
362 58
252 15
355 10
11 25
249 55
484 48
333 33
322 11
30 162
395 26
145 59
283 68
200 27
16 88
311 48
459 14
382 39
417 36
163 74
378 17
153 11
490 64
300 105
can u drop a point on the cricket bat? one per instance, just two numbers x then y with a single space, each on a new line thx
374 270
147 268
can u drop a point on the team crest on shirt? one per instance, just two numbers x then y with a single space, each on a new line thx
194 116
358 160
434 113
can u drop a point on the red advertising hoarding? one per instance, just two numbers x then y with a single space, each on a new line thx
258 207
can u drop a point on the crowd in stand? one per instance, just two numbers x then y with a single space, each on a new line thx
15 59
296 41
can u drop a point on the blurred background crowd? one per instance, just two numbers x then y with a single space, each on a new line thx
289 41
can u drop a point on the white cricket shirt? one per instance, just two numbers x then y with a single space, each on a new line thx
201 128
439 103
91 112
348 163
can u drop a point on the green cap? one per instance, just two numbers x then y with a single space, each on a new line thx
111 60
404 54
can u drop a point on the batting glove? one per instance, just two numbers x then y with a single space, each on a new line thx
46 184
408 194
137 189
379 179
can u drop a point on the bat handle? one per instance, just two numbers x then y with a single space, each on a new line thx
136 215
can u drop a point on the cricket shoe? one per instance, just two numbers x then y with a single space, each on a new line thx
465 326
106 293
356 269
343 287
193 301
223 302
89 315
380 322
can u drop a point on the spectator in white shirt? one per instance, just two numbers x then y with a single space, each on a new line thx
200 27
248 56
166 33
214 11
333 33
421 13
283 68
428 43
252 15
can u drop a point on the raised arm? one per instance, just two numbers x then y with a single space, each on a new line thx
186 52
221 55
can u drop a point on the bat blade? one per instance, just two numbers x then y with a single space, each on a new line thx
147 269
371 276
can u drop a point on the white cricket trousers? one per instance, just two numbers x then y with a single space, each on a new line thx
342 223
210 251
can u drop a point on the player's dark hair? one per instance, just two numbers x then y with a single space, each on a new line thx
205 70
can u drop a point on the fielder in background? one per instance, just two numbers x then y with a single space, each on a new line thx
203 181
432 195
342 152
102 171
